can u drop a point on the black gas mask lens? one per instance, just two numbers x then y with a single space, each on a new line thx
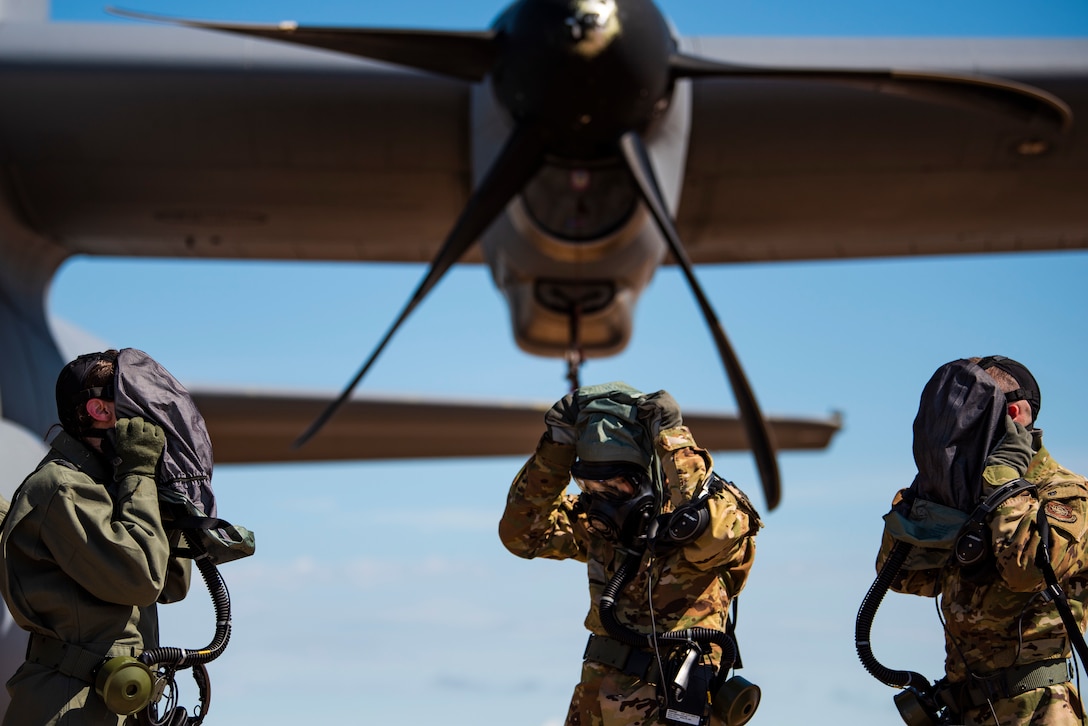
619 501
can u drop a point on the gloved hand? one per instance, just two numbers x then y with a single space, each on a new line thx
561 420
139 445
1014 450
658 412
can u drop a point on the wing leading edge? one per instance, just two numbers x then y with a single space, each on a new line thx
190 144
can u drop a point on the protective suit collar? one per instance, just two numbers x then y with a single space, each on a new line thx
81 456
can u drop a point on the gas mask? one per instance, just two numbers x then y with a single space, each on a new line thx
615 460
619 506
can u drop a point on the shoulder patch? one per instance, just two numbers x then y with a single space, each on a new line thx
744 502
1061 512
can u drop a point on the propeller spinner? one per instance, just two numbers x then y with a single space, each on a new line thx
582 81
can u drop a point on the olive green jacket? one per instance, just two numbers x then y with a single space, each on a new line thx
85 558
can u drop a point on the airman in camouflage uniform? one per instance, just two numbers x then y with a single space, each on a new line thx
691 586
1000 627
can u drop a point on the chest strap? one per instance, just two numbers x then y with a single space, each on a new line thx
70 659
973 541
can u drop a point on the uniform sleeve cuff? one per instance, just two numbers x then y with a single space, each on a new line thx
998 474
675 438
560 456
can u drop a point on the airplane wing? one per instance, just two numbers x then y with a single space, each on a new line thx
163 141
260 427
159 141
778 170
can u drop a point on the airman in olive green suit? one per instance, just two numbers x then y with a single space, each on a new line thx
691 586
1006 647
84 560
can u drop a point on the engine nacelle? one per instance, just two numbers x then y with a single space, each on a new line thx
561 290
576 248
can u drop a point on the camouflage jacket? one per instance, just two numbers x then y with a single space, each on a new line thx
1001 618
692 586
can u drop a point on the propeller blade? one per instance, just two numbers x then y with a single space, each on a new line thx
974 92
520 158
467 55
759 435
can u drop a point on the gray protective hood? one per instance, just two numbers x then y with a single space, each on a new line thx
144 388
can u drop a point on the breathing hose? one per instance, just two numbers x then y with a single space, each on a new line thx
863 628
630 637
170 659
182 657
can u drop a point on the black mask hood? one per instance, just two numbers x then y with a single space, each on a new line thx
960 420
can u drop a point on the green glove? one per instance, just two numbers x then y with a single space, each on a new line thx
1014 450
139 446
561 420
658 412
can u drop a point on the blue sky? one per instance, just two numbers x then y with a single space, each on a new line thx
380 591
692 17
